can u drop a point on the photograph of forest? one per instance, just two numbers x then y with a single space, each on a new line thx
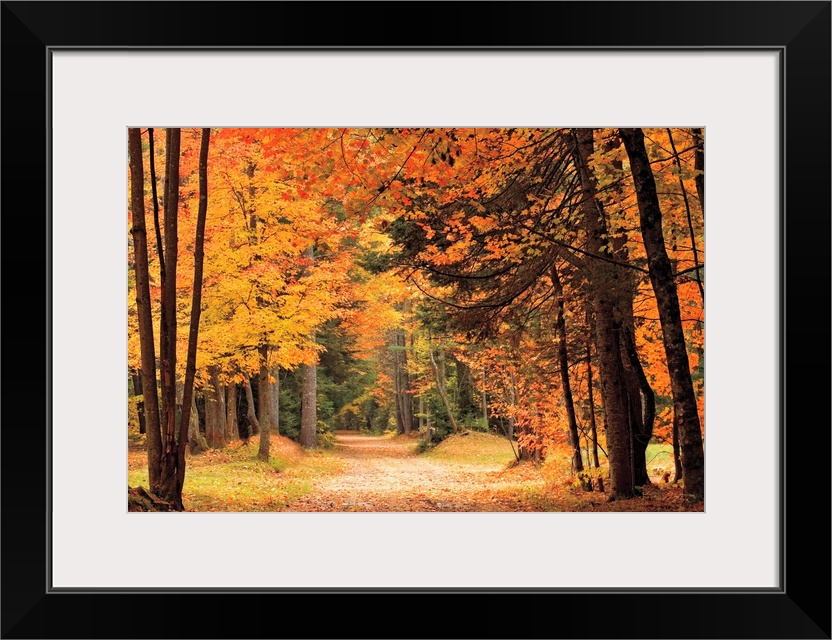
416 319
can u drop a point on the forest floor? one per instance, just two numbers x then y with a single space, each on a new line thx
386 474
472 472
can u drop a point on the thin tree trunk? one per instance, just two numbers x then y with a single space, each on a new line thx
274 395
440 387
677 453
195 439
136 377
512 398
606 293
464 392
593 428
217 397
263 393
309 412
253 424
309 392
232 431
484 400
397 386
145 314
699 166
664 286
563 359
407 398
160 249
696 272
170 489
646 421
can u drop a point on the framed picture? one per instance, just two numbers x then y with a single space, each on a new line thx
755 76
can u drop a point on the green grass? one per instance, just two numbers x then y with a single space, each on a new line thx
474 448
233 479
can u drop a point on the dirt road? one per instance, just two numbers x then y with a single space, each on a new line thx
384 474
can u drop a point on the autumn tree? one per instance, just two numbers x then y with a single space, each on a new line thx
166 441
664 284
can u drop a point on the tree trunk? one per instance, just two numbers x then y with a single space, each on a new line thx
309 392
401 384
169 488
677 454
643 425
232 432
512 399
464 392
213 436
263 395
664 286
397 385
195 439
697 273
251 416
309 411
440 387
274 395
216 397
136 377
593 427
484 400
145 314
699 166
563 360
607 293
407 398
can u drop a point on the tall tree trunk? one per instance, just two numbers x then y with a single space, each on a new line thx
195 439
484 400
699 166
170 448
397 385
464 391
407 398
639 396
263 394
274 395
563 360
214 431
593 427
439 376
401 384
217 437
512 400
697 273
251 415
664 286
607 293
309 411
232 432
136 377
677 453
309 391
145 314
643 426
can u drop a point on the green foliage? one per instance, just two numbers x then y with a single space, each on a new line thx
324 436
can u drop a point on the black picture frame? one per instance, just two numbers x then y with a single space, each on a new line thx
800 608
